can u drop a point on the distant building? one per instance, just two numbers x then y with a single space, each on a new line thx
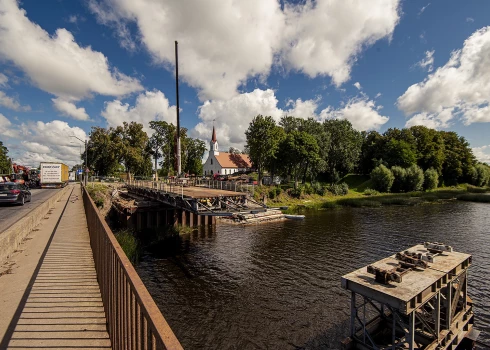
224 163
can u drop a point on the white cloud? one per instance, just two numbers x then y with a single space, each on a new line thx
357 85
69 109
459 89
423 9
482 153
152 105
12 103
360 111
6 127
470 20
233 117
428 62
223 43
57 64
50 142
3 80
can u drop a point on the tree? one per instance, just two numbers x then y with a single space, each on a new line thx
399 181
194 151
414 178
431 179
401 153
372 151
429 146
102 152
131 141
263 138
458 160
382 178
344 148
5 163
234 150
298 150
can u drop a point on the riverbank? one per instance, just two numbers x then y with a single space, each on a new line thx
372 199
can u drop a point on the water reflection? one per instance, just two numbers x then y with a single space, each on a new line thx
277 285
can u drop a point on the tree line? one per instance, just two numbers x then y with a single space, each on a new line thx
5 165
309 150
128 148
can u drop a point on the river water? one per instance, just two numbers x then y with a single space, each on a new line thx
277 285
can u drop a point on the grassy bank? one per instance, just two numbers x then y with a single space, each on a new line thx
360 195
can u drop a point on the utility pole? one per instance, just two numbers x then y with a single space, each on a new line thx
179 163
86 163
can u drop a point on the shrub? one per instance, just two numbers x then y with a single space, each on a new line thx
129 244
308 189
474 189
274 192
414 180
320 189
482 175
295 192
339 189
399 181
370 192
382 178
431 179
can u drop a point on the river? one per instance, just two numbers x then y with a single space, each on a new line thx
277 285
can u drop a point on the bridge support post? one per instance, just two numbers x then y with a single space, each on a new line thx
183 218
148 219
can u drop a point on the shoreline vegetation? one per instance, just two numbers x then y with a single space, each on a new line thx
360 195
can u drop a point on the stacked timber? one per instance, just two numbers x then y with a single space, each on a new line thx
255 216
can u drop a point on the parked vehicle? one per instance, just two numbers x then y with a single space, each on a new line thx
12 192
54 175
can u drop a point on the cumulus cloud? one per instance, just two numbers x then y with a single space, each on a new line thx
423 9
3 80
357 85
151 105
57 64
69 109
360 111
12 103
6 127
459 89
233 117
482 153
428 62
315 37
37 136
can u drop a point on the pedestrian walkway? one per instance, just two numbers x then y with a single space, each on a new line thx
63 306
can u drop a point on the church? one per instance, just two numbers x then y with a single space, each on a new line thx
224 163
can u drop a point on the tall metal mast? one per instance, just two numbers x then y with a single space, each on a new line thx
179 163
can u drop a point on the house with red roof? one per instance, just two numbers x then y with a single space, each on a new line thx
224 163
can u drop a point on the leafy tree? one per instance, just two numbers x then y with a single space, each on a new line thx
5 163
344 148
372 151
167 134
482 175
193 152
263 138
234 150
399 181
429 146
298 150
414 179
431 179
102 152
130 141
382 178
458 159
401 153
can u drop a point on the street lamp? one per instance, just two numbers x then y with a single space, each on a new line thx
86 162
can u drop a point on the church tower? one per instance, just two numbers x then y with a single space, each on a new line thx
213 145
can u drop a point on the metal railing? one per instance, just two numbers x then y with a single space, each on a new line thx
133 319
177 186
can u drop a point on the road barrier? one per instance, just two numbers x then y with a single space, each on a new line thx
12 237
133 319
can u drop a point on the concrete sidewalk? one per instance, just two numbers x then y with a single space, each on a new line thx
61 305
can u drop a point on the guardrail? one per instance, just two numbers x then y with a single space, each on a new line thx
133 319
177 185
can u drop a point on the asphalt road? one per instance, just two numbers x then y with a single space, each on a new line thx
10 213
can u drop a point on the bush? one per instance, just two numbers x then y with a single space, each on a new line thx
129 244
370 192
339 189
295 192
382 178
319 189
308 189
482 175
274 192
431 179
414 180
399 182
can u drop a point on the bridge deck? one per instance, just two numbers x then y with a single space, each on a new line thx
64 307
204 192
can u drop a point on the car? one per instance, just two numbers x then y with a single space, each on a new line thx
11 192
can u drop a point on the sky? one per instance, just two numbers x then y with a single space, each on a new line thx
69 65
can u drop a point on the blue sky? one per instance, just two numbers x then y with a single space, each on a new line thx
66 66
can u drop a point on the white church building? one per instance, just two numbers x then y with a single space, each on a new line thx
224 163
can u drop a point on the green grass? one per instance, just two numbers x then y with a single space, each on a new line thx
475 197
357 183
129 244
474 189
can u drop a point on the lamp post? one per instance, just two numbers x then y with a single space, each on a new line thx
86 162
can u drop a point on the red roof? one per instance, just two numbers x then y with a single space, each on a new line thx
233 160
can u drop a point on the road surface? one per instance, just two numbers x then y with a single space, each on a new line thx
10 213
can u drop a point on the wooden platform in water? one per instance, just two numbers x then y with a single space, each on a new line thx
417 285
204 192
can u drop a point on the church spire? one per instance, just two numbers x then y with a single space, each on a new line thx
214 135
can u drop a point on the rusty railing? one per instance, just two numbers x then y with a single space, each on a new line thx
133 319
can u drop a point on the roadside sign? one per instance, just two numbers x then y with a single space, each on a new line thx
86 170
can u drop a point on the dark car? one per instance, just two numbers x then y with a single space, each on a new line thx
11 192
